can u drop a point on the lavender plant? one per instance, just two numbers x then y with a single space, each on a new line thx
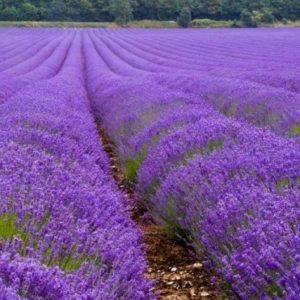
65 233
214 149
205 124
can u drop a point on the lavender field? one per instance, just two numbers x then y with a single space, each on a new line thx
206 127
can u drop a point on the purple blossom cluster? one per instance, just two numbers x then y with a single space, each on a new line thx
205 122
64 228
214 150
250 79
36 58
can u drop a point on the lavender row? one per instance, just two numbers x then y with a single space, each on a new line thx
21 53
64 230
229 53
239 93
229 189
39 67
266 107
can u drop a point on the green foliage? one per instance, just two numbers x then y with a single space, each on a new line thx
132 165
267 16
282 184
202 22
248 19
172 229
28 12
9 229
184 19
68 261
167 9
264 16
121 10
9 14
57 11
235 24
285 21
205 23
295 130
8 226
153 24
71 262
251 12
273 290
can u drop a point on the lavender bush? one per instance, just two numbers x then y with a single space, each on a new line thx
205 123
64 230
213 148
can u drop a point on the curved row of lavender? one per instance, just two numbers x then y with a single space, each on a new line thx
64 229
241 73
211 176
39 57
222 184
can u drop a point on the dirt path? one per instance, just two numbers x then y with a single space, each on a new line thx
178 275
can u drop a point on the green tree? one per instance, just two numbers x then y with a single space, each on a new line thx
231 9
102 10
248 11
57 11
248 19
121 10
211 9
168 9
9 14
147 9
267 16
215 9
80 10
184 19
28 12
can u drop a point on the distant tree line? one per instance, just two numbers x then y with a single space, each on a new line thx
248 11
